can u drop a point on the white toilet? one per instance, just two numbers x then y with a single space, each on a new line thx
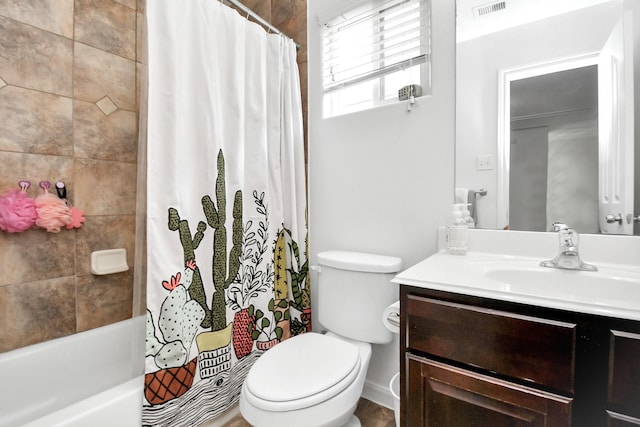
317 379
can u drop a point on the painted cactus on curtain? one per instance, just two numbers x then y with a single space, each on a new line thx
259 278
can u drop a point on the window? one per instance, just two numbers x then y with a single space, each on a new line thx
371 52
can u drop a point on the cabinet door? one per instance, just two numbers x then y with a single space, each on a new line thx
619 420
624 373
440 395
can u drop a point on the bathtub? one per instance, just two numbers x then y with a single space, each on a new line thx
93 378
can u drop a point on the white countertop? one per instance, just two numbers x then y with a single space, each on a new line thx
614 290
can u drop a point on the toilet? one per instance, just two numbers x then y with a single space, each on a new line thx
316 379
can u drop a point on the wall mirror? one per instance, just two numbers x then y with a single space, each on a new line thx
546 113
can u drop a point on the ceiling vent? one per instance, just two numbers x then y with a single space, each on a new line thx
488 8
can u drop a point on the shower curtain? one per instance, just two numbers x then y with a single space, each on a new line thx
227 273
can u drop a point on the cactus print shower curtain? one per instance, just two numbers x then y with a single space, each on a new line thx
227 274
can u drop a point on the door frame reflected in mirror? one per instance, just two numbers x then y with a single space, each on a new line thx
506 77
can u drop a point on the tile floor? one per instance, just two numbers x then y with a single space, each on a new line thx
369 413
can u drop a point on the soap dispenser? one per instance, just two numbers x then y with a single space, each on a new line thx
457 232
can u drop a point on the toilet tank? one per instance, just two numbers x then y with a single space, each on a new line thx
353 290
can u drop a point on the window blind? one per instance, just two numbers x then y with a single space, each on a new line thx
373 41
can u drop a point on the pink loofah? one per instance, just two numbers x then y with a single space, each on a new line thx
53 212
17 210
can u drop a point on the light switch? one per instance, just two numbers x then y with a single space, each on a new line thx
485 162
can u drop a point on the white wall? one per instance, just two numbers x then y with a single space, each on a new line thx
478 63
634 6
381 181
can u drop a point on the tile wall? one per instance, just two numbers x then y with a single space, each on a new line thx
69 77
68 112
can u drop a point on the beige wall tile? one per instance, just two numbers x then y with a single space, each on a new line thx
37 311
140 287
33 167
261 7
303 69
129 3
103 300
99 73
101 233
35 58
35 122
107 25
105 187
51 15
36 255
41 141
139 79
97 136
285 13
140 23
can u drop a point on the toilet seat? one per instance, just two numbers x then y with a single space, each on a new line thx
325 365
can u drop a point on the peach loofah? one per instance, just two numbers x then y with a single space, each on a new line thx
53 212
17 210
77 218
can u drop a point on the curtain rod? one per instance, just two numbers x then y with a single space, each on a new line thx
259 19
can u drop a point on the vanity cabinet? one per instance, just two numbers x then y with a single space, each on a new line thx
471 361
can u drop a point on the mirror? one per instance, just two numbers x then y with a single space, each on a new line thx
545 113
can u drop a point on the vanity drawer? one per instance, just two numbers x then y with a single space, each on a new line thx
524 347
624 371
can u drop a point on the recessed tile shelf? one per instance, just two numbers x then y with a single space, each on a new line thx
109 261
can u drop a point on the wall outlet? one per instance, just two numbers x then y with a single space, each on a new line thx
486 162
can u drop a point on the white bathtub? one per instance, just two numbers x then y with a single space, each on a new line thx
93 378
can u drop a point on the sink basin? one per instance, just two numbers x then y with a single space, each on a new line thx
605 287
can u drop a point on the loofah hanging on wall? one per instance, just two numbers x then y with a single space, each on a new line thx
17 210
53 212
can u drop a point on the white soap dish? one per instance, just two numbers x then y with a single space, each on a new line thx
109 261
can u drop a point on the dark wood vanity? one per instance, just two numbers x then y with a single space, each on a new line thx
471 361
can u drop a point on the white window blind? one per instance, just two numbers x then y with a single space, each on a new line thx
374 41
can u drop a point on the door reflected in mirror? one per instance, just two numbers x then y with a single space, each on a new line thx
552 146
530 93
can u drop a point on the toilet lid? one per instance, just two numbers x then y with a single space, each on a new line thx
302 366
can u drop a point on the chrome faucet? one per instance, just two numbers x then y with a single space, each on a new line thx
568 257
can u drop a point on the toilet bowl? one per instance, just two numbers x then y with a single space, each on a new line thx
316 380
324 396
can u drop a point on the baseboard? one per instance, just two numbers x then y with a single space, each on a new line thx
378 394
